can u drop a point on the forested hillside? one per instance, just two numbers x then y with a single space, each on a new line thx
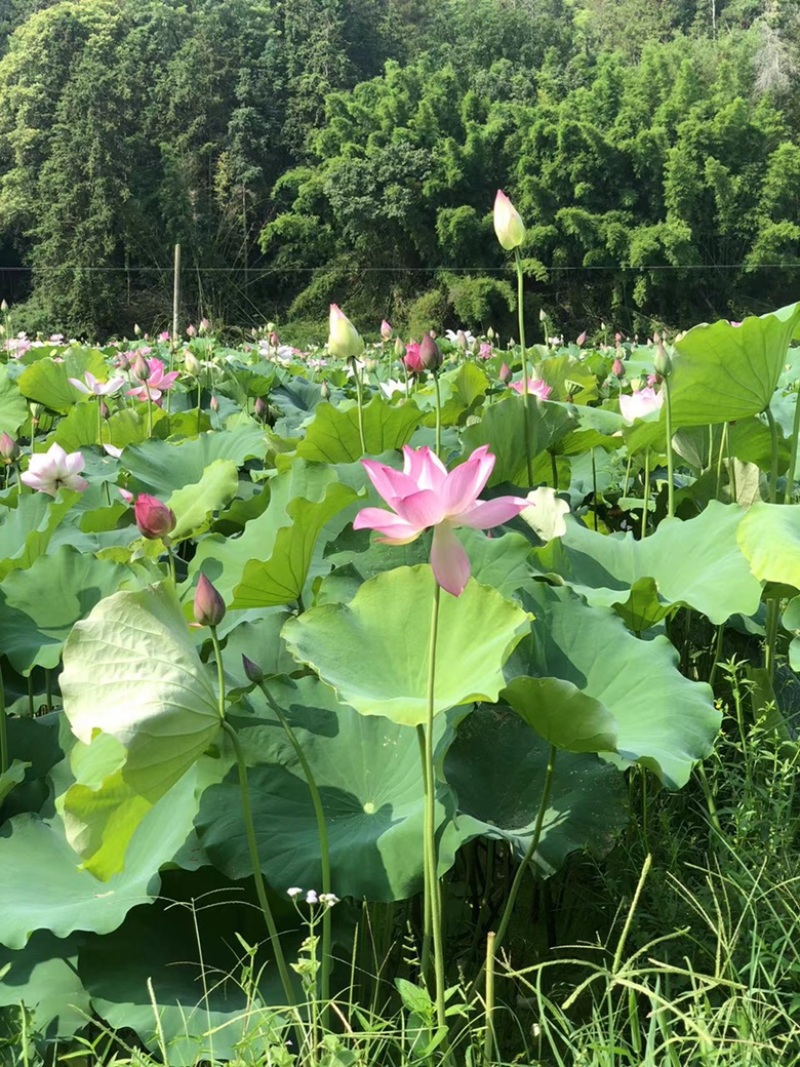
301 149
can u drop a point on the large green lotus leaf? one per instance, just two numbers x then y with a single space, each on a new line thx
11 777
460 389
186 948
44 977
501 562
769 537
502 428
370 780
281 540
697 562
722 373
194 505
46 381
664 721
60 896
27 529
132 674
497 767
332 436
160 467
13 408
39 606
373 651
562 714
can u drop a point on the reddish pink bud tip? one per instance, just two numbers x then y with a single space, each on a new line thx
153 518
209 607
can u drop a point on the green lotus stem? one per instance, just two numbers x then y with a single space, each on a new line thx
99 421
531 851
787 496
250 831
30 693
322 830
438 414
489 999
149 410
627 474
360 402
773 613
670 457
723 442
199 409
594 490
646 500
4 761
731 468
773 471
431 866
554 468
526 412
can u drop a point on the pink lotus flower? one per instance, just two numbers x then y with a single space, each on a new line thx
580 340
92 387
536 387
640 404
485 351
425 494
48 471
156 383
386 330
411 358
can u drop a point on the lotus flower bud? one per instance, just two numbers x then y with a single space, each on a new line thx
461 340
137 329
274 338
191 331
3 305
617 338
252 671
191 364
618 368
386 331
9 449
325 391
140 370
399 348
260 409
36 410
505 374
344 340
429 355
209 607
154 519
214 404
105 411
204 326
580 340
508 225
542 315
490 334
271 327
662 363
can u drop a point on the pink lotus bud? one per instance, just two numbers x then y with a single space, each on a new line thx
274 338
618 338
204 326
386 331
662 363
344 339
325 391
154 519
105 411
505 374
580 340
9 449
252 671
508 224
209 607
618 368
214 404
260 409
429 355
164 336
461 340
191 331
140 371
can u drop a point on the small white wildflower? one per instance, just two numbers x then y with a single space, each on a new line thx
311 897
329 899
295 891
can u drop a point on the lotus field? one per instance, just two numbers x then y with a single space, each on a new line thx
307 655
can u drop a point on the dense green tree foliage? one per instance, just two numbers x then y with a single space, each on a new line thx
308 150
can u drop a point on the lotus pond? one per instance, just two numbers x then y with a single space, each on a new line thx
316 662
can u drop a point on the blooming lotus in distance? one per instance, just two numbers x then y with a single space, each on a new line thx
639 404
424 495
156 383
90 386
536 387
48 471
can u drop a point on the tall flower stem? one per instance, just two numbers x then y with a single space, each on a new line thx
433 903
773 472
438 413
723 442
100 421
3 730
788 494
646 500
250 832
322 830
670 457
523 353
360 402
149 410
